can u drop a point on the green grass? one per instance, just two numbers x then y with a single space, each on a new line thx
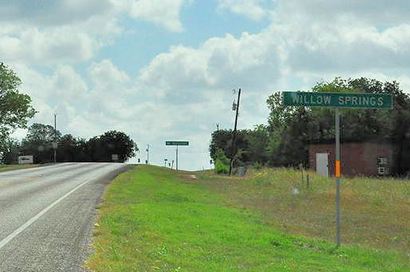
375 212
9 167
155 220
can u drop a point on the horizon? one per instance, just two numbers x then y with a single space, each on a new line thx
165 70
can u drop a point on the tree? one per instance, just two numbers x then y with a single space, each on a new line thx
11 150
82 154
15 108
39 139
68 149
251 145
38 142
258 142
222 139
112 142
40 133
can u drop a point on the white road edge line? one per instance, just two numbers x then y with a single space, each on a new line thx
15 233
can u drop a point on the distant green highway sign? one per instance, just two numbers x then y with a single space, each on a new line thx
340 100
176 143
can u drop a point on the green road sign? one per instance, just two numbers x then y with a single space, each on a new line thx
341 100
176 143
338 100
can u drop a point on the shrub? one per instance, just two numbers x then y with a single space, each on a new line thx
257 166
221 162
220 167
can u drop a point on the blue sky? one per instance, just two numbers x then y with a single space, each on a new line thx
165 69
142 41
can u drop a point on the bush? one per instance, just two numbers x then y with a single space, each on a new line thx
257 166
220 167
221 162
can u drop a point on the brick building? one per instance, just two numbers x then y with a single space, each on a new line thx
358 159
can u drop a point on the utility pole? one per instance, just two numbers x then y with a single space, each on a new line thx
235 107
55 138
147 162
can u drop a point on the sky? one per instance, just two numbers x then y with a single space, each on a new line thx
167 69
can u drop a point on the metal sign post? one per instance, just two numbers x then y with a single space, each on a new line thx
337 101
176 159
177 144
337 175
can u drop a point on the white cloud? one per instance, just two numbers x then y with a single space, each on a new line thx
49 46
165 13
72 31
251 61
52 13
105 75
252 9
339 36
375 12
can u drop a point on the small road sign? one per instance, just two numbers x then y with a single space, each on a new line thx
114 157
177 143
340 100
26 159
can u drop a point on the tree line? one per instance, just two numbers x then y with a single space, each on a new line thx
16 110
285 139
40 138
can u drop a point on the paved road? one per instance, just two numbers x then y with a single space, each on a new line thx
47 214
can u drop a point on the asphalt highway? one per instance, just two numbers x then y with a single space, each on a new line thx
47 214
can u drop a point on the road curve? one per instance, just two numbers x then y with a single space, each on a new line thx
47 214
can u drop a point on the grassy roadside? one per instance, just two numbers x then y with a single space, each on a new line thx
375 212
9 167
154 220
